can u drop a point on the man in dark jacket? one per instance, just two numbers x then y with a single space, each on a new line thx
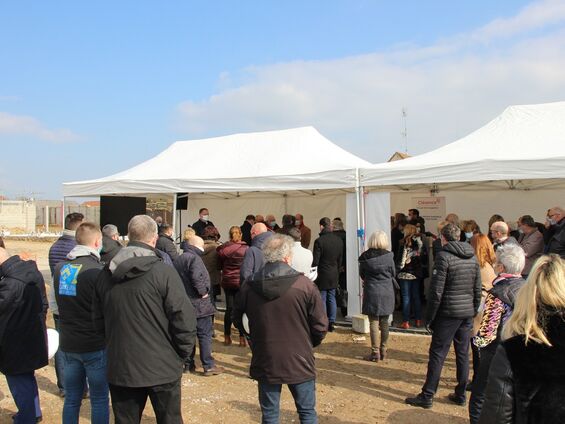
82 346
282 348
23 338
110 243
555 235
165 242
454 298
58 253
246 229
196 282
328 252
203 222
149 325
254 259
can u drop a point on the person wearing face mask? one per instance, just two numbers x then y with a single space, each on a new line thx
271 223
82 346
196 282
203 222
305 232
555 231
531 241
470 228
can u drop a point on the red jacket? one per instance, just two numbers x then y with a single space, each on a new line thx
230 257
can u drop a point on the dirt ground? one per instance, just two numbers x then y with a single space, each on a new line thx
349 390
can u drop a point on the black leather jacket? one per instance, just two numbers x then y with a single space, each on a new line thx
527 382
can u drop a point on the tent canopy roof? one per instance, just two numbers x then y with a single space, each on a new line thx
523 143
293 159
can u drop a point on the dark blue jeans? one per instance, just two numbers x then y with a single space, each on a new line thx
445 331
204 331
410 292
91 365
26 396
304 395
330 304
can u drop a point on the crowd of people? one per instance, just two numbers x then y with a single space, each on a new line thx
129 316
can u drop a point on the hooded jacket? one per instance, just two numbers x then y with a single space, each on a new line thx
23 306
286 320
230 257
556 243
109 249
149 323
527 381
196 281
377 269
73 283
455 289
254 259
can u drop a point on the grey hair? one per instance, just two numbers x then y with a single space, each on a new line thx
500 226
451 232
109 230
379 240
277 248
337 225
142 228
512 257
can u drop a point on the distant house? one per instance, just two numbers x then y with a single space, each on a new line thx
398 156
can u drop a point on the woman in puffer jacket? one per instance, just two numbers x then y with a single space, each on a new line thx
230 257
527 377
377 269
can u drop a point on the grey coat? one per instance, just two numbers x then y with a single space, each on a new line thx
377 269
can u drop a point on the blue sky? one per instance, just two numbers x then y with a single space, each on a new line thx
90 89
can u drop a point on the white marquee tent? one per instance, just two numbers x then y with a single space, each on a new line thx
523 147
294 159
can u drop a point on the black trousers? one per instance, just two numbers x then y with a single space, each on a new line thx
128 403
230 299
445 331
480 382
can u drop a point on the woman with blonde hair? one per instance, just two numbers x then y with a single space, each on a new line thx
409 265
527 376
377 269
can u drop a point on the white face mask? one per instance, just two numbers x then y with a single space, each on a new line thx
298 222
205 218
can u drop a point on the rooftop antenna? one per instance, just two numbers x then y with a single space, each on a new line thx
405 131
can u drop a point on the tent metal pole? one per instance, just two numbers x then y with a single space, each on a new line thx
62 213
360 230
174 223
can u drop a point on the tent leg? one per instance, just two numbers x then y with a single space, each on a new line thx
174 214
360 201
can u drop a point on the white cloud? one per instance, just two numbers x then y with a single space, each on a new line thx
449 88
27 125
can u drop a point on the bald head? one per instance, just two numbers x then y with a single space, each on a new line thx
4 255
257 229
196 242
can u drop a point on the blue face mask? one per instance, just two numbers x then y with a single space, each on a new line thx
468 235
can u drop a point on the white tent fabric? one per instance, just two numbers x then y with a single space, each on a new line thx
294 159
523 143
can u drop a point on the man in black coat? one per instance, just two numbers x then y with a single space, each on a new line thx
454 298
110 243
203 222
555 233
23 337
149 324
165 242
196 282
246 229
328 257
82 346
